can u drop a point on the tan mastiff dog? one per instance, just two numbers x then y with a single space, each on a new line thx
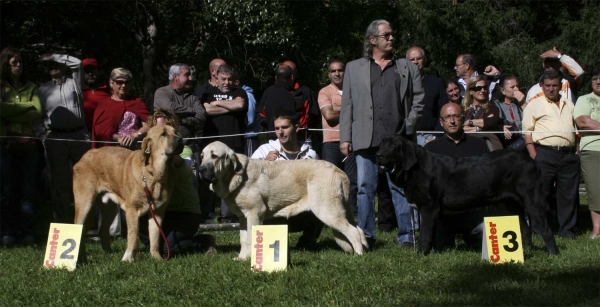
256 190
119 174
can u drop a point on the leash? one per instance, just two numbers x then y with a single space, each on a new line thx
149 199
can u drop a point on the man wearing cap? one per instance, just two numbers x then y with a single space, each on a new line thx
64 119
93 90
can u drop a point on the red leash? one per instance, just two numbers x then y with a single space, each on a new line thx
149 198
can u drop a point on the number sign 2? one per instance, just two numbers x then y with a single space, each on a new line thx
269 248
63 246
502 239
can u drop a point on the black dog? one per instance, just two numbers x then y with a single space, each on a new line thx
436 182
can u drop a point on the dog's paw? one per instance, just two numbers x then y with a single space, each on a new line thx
238 258
128 257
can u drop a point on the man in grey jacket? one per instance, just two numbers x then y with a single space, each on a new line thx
383 96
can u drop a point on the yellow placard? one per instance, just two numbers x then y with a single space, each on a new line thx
269 248
62 248
502 239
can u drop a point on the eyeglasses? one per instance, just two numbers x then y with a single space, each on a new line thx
479 88
386 36
453 116
121 82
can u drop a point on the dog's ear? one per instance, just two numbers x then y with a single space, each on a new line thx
408 151
237 179
146 148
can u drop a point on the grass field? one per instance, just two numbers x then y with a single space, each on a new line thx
387 276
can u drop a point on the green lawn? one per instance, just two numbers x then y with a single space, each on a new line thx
387 276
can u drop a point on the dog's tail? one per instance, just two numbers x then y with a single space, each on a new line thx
344 192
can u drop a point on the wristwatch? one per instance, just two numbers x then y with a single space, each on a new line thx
471 123
139 134
559 56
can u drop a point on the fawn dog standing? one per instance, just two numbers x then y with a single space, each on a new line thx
120 175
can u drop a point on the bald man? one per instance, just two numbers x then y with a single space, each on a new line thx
435 97
456 144
211 82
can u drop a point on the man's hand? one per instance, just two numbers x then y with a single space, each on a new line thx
552 53
491 71
46 57
346 148
272 156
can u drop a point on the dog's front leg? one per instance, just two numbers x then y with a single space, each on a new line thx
154 233
132 233
429 216
244 240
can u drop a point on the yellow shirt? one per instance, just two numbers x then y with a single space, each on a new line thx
550 123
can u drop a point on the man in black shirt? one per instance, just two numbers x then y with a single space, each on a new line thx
226 107
455 143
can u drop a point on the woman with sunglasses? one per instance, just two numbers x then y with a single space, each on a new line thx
480 113
19 107
120 118
508 98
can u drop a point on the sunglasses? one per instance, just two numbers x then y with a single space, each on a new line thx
121 82
479 88
387 36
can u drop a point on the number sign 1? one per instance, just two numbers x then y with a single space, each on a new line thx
502 239
63 246
269 248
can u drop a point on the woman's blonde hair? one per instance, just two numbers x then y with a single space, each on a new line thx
121 72
469 98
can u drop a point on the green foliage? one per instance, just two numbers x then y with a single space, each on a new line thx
256 35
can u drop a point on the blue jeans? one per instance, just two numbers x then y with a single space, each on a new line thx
366 170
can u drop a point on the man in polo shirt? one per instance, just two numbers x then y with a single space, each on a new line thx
64 118
330 103
551 141
456 144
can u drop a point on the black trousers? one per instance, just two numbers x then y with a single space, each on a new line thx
563 168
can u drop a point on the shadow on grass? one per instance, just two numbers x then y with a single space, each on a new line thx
513 284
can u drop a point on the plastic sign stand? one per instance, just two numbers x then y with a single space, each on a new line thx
502 239
269 248
62 249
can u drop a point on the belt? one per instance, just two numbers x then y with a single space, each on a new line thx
559 148
66 130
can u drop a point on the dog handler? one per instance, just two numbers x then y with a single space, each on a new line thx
182 217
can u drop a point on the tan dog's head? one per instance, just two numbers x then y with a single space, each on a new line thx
162 141
220 163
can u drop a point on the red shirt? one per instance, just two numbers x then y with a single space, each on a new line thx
90 102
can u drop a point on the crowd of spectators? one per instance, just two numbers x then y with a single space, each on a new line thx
366 100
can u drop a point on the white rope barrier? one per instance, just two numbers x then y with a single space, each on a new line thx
267 132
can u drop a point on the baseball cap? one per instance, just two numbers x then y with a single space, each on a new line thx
90 61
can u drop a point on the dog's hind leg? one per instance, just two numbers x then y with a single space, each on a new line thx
341 240
84 193
337 221
108 211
